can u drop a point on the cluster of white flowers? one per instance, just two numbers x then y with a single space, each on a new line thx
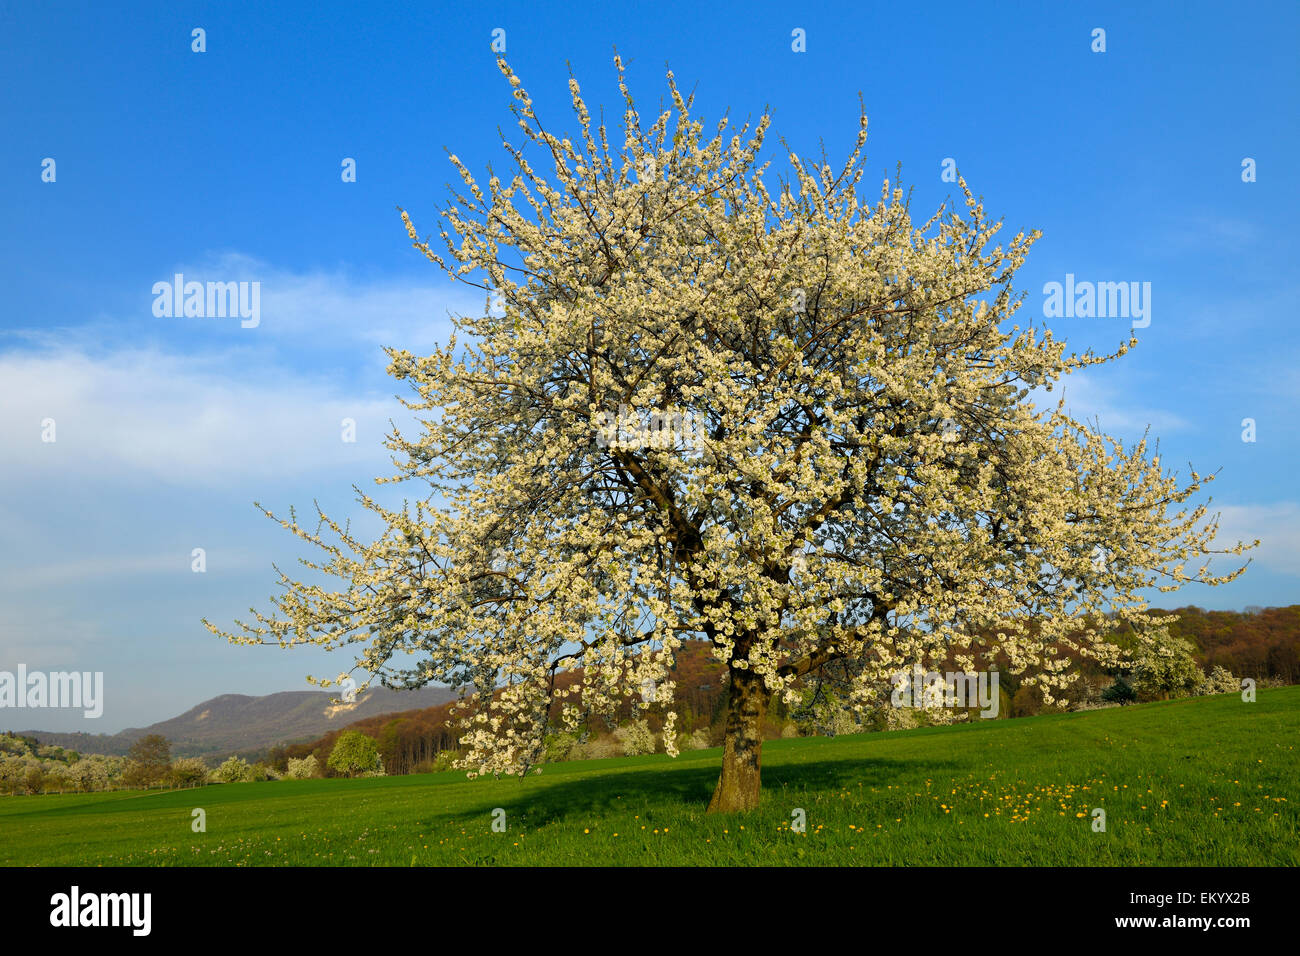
1219 681
636 738
233 770
302 768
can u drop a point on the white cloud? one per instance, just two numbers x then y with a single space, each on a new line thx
149 410
200 419
1277 526
1086 399
334 309
31 577
201 400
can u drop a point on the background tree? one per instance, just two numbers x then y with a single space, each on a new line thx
1165 666
148 761
855 470
233 770
302 768
354 753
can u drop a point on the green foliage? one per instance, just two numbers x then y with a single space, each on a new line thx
1004 703
18 745
559 747
354 753
445 760
1120 692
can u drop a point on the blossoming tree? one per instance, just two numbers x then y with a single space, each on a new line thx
868 482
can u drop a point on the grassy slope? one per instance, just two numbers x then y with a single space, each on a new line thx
1208 781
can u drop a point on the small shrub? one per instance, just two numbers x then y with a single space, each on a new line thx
302 769
1120 692
233 770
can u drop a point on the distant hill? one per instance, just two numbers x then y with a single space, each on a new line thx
238 723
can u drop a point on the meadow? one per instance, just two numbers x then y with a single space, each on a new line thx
1208 781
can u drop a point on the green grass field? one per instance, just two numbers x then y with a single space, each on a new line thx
1207 781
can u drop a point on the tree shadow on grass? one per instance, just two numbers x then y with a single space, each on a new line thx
542 800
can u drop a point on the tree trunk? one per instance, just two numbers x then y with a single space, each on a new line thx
738 785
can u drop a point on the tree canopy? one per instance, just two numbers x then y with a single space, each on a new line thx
872 477
354 753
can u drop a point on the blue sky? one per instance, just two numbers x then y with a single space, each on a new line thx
225 165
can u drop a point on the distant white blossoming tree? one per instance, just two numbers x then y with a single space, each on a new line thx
866 482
